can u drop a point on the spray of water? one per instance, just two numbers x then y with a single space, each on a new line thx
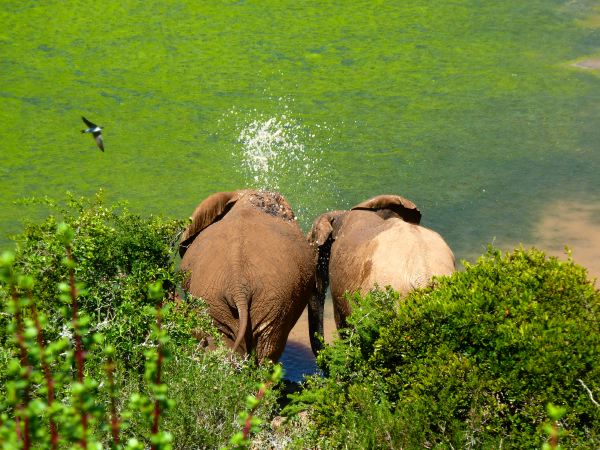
273 153
279 153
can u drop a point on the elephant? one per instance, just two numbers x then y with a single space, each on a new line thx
246 256
377 242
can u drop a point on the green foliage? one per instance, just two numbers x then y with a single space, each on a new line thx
247 419
208 390
50 402
101 364
117 255
552 429
471 361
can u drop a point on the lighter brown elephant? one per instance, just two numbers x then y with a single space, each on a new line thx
378 242
248 259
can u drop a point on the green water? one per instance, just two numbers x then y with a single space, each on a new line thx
471 109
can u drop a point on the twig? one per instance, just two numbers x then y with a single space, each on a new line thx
160 357
553 440
114 420
248 423
47 373
589 393
26 438
79 353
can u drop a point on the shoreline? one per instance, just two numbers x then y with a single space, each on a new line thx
573 225
588 64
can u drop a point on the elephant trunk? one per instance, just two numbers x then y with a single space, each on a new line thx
316 303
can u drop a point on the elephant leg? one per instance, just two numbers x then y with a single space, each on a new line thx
316 302
341 310
316 306
340 321
269 347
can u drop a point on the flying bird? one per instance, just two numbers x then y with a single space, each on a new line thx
96 132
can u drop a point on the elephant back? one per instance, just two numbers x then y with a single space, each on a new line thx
254 268
271 203
210 210
399 206
217 206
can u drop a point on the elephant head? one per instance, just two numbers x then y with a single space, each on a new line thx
377 242
247 258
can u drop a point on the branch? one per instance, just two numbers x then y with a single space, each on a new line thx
26 437
47 372
159 362
79 352
589 393
114 419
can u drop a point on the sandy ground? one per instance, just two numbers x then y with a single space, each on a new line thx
593 64
571 224
300 332
574 225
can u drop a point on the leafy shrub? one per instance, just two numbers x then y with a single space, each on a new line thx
470 362
118 254
139 352
209 392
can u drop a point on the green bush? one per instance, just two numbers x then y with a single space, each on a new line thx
209 391
117 254
123 269
470 362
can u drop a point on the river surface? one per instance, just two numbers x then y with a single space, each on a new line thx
485 114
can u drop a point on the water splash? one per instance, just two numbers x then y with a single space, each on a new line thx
280 153
273 153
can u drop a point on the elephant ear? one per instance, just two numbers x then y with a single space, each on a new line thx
401 206
211 210
322 228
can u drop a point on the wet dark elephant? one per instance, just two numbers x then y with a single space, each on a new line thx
248 259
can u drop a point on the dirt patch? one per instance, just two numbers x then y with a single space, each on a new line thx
593 63
577 226
297 359
300 331
574 225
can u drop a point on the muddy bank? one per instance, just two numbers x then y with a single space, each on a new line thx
593 64
574 225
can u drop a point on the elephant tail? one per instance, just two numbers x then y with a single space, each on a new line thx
241 302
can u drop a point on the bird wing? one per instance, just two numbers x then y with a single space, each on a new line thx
99 141
88 123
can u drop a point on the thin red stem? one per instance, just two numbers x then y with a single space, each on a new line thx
79 353
248 423
47 374
114 420
156 413
25 437
554 436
